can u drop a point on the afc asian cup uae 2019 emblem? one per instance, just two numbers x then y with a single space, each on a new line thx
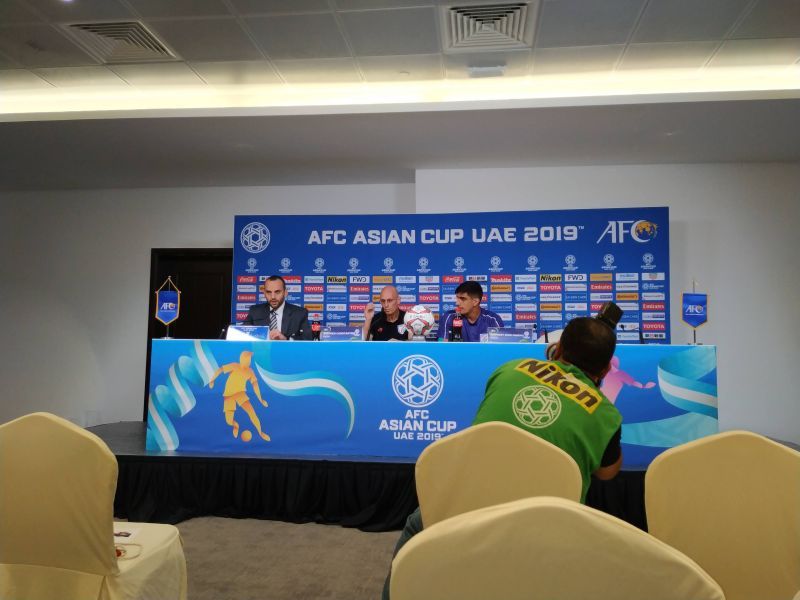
417 381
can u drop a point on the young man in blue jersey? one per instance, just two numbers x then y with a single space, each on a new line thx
475 320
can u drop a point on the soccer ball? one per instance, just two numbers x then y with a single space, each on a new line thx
418 319
246 436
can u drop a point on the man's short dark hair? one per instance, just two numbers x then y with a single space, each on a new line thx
471 288
588 344
275 278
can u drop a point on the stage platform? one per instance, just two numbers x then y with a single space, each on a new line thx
373 494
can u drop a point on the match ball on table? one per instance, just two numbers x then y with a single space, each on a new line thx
246 435
419 320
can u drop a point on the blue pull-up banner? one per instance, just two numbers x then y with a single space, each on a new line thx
538 268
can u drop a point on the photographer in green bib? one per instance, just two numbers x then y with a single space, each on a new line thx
558 400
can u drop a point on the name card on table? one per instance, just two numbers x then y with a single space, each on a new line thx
507 335
340 334
247 333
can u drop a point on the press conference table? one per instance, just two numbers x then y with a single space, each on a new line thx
382 402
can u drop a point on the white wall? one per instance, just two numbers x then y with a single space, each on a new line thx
732 227
75 272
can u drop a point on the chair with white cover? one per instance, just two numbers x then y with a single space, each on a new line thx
731 502
57 486
488 464
544 548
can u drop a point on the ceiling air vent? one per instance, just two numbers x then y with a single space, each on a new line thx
123 42
486 27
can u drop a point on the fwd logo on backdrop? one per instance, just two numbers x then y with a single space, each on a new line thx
639 231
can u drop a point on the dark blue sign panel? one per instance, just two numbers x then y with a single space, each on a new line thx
695 309
379 401
538 268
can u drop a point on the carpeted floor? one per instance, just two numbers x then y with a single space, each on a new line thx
249 559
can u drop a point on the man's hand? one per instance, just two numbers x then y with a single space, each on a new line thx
369 311
275 334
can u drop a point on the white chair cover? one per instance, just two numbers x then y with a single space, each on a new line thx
57 486
731 501
544 549
488 464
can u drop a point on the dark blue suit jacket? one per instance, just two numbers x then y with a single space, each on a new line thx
295 320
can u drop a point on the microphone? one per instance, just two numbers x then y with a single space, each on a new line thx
222 333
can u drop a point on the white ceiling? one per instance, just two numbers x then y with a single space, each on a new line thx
70 120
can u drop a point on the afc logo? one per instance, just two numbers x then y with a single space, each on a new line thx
695 309
417 381
639 231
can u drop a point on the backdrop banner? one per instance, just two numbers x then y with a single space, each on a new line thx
537 268
388 401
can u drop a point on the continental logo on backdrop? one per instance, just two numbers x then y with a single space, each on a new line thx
550 277
600 277
627 296
554 377
382 279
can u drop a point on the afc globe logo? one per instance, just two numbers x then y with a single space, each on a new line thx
423 265
641 231
168 306
286 265
458 263
353 265
254 237
319 265
252 265
569 262
417 381
536 406
695 309
388 263
495 261
533 261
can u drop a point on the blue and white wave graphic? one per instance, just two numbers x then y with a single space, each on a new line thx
679 380
175 398
311 383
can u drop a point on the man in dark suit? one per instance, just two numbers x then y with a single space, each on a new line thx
286 321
